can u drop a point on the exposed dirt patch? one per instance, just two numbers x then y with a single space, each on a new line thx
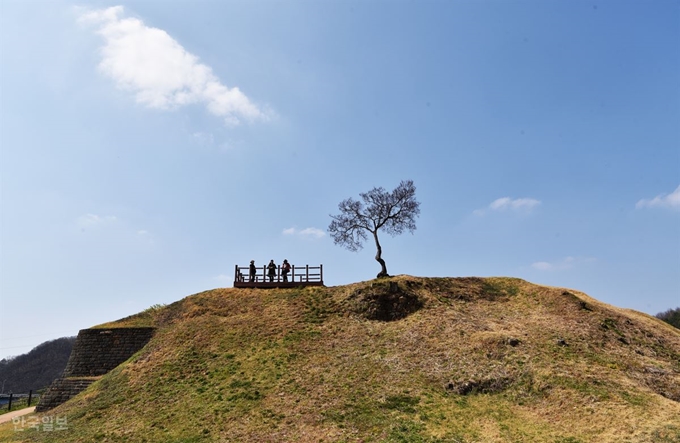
487 385
384 301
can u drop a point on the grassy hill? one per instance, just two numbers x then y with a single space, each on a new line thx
404 359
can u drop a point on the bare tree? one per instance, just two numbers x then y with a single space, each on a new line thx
393 212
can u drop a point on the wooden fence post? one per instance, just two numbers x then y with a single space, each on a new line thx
30 395
9 406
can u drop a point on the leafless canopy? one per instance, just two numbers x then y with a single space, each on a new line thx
393 212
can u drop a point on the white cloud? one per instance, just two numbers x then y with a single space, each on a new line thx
203 138
209 141
230 144
307 232
312 232
542 266
93 220
160 72
560 265
114 227
671 200
507 204
224 278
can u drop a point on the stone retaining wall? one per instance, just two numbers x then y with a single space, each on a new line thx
61 390
95 352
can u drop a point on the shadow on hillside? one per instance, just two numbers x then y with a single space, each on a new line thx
384 301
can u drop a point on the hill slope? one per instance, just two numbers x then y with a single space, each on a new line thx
405 359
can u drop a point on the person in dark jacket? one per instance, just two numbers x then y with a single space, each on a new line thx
253 271
271 270
285 269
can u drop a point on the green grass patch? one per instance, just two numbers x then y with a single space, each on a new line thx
497 288
403 403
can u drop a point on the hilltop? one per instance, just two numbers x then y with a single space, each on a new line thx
404 359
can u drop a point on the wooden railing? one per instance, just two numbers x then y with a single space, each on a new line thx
298 276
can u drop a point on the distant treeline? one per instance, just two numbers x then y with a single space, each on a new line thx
672 317
36 369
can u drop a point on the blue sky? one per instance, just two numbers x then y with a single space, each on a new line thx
148 147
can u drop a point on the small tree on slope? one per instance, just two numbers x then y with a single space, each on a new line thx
392 212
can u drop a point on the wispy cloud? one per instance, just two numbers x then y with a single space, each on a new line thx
671 201
208 141
507 204
223 278
307 232
203 138
560 265
113 227
160 72
93 220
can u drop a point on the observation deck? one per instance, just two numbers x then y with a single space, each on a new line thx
298 276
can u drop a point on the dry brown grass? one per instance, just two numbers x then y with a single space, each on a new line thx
479 360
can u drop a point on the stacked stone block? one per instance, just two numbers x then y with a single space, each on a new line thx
61 390
95 352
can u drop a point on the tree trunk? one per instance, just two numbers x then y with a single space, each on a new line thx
378 257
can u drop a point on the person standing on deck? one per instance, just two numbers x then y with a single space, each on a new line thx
271 270
253 271
285 269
